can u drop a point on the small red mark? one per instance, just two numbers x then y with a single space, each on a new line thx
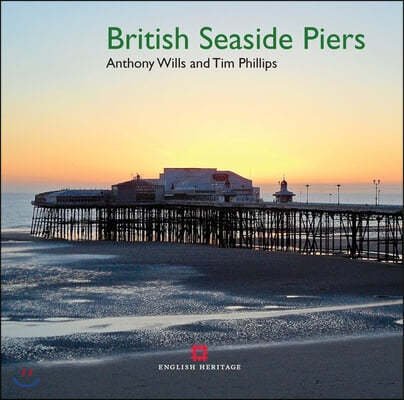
195 352
24 370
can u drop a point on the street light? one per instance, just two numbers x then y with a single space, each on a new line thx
338 186
307 193
376 182
330 197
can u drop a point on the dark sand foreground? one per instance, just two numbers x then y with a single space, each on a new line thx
346 368
366 366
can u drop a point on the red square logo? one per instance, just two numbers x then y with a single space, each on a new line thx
199 352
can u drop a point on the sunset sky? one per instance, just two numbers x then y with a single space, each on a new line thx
322 116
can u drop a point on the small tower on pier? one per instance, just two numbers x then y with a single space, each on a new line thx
283 195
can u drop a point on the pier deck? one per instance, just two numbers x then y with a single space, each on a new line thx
356 231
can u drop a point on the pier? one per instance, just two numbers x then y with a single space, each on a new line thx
354 231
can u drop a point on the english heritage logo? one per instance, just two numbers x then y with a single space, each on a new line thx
199 354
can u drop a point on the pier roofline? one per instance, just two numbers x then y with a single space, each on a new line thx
312 207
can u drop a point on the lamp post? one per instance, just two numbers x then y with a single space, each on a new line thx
376 182
338 186
307 193
329 197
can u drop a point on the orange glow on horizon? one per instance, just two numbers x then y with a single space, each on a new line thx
319 118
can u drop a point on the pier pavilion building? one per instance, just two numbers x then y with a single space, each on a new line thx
283 195
185 184
207 184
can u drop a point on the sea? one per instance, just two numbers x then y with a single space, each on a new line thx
16 208
16 211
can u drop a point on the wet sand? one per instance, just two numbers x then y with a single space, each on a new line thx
245 271
366 366
345 368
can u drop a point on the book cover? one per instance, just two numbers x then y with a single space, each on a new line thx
201 199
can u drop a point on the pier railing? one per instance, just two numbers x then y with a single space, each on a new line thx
356 231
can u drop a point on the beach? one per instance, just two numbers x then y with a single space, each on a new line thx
298 326
350 368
